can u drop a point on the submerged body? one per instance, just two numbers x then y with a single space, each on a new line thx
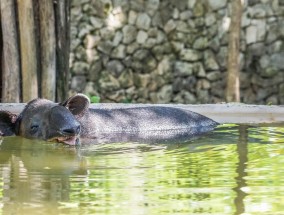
152 123
66 122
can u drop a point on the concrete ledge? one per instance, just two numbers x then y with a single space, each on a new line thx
222 113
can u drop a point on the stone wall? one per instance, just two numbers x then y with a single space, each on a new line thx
161 51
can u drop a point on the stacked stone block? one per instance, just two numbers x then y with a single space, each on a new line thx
161 51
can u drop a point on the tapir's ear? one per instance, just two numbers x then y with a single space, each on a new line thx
7 123
77 104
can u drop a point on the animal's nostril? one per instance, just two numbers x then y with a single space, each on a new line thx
78 129
68 131
72 131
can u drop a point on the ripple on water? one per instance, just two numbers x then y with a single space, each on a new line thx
235 169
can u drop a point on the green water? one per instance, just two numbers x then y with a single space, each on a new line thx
234 170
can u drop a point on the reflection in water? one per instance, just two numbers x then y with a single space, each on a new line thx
35 174
235 170
242 152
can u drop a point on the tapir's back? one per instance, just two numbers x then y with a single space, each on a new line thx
147 121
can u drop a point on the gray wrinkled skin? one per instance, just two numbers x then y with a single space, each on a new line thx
67 121
144 120
148 124
43 119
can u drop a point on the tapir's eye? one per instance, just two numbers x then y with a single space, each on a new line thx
34 128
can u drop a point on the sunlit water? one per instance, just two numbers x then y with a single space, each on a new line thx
234 170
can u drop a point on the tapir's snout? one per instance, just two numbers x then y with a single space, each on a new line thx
71 130
64 126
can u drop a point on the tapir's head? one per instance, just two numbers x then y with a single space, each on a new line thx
46 120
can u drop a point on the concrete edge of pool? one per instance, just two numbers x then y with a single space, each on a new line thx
223 113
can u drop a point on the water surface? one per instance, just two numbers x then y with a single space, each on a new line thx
233 170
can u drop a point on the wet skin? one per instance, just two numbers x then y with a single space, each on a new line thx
71 119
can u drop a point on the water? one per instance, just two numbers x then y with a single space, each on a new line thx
234 170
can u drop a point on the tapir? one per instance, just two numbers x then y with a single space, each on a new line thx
73 119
